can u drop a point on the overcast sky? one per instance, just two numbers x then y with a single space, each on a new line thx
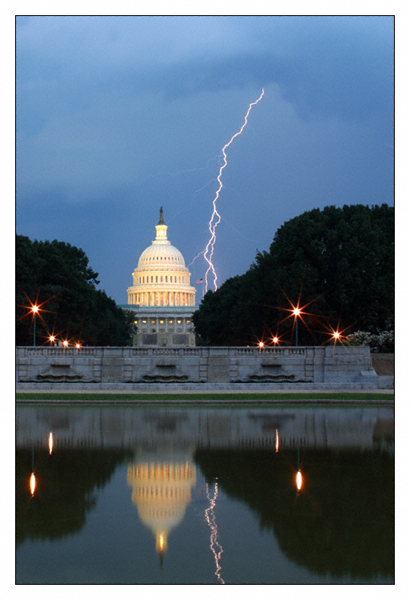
118 116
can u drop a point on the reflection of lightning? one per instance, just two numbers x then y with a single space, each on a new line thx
214 530
216 218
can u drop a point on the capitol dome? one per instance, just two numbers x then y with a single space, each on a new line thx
158 253
161 277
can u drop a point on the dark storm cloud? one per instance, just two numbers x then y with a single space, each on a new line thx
342 67
330 65
117 116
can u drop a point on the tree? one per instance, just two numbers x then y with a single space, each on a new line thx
338 263
57 277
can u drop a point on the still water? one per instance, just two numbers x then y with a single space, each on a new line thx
204 496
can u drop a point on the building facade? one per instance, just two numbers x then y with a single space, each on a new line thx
161 296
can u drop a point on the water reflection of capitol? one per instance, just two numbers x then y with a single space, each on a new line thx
163 472
161 489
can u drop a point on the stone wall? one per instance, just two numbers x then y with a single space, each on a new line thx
319 367
383 363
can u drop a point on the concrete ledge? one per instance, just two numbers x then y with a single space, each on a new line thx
385 385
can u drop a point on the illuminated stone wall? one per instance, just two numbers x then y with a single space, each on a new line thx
317 367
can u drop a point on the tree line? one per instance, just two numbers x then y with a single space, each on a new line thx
336 265
57 277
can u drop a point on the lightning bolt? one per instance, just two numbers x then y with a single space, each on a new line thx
216 217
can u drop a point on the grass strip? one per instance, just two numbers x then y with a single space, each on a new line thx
205 397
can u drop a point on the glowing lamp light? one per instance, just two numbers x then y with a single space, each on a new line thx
78 345
32 484
298 481
52 338
65 343
50 443
336 335
34 308
275 340
277 441
296 311
261 345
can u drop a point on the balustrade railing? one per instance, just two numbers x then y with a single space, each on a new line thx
126 351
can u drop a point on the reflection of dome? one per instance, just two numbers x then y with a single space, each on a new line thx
161 277
161 492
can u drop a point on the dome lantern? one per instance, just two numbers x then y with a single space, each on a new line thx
161 230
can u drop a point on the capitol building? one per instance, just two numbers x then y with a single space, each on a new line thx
161 296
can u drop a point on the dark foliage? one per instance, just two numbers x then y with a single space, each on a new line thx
56 276
337 264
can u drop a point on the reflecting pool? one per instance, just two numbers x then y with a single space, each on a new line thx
136 495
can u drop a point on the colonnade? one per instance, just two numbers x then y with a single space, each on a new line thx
162 298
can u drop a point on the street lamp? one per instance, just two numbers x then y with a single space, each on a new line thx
296 312
34 310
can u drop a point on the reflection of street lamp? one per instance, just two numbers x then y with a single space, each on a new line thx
50 443
32 480
298 474
34 310
296 312
32 484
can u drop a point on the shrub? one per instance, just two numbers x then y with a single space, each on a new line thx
378 342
